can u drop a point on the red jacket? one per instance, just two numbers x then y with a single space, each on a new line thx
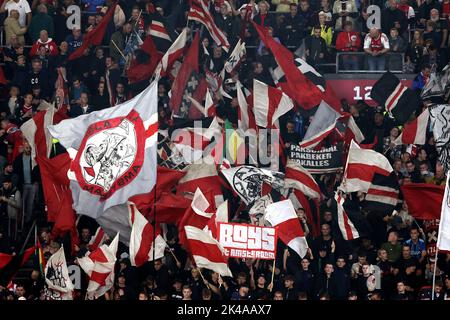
50 46
344 38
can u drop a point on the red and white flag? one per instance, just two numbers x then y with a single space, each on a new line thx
323 123
99 266
203 175
346 226
352 131
269 104
36 131
175 51
141 240
282 215
298 86
197 215
221 215
243 111
97 239
192 142
158 30
206 251
361 166
113 153
235 57
299 178
415 132
199 12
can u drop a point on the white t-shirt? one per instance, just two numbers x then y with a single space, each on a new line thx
23 7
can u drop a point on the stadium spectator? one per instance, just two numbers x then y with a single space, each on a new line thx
376 45
348 41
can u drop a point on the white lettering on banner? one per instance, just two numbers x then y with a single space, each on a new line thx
247 241
74 20
366 92
75 276
374 19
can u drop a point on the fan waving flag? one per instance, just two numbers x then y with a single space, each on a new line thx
99 266
415 132
361 166
96 35
346 226
206 251
282 215
199 12
113 153
269 104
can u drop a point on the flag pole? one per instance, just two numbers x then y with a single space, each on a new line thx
118 49
204 280
434 273
273 275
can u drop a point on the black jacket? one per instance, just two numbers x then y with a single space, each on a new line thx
76 110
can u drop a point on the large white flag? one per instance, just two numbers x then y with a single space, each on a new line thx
60 287
113 153
443 241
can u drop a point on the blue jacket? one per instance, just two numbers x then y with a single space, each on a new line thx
418 82
73 43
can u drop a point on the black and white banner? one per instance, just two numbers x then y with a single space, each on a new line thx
318 161
440 121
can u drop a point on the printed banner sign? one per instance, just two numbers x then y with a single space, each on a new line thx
318 161
248 241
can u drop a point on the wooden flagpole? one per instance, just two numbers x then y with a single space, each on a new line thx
273 275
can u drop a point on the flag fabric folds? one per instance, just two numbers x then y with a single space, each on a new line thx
141 240
415 132
400 101
346 226
424 200
57 276
99 266
282 215
113 153
206 251
361 166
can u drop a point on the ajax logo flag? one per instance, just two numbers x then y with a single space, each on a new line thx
113 153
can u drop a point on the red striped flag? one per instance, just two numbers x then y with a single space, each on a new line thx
170 56
141 239
269 104
361 166
299 178
206 251
346 226
282 215
199 12
197 215
99 266
415 132
97 239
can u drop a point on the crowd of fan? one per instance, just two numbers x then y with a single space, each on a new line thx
316 30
